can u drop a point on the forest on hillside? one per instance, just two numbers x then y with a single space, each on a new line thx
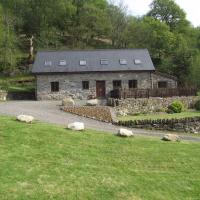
174 44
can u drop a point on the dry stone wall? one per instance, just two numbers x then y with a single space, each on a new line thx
151 105
188 125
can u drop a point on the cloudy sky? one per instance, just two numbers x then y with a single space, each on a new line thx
191 7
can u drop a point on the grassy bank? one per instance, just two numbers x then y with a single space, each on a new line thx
17 83
155 116
41 161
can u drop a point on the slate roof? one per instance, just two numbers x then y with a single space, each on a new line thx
93 61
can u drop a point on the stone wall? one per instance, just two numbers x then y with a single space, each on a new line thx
156 77
20 95
71 84
151 105
188 125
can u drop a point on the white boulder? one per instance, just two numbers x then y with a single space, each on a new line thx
69 102
76 126
171 137
25 118
124 133
92 102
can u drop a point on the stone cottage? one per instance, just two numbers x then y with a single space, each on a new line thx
81 73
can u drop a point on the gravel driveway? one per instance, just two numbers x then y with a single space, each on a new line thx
48 111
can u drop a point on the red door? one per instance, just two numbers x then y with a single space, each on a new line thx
101 89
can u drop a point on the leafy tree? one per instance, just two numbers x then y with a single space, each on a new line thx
8 42
169 12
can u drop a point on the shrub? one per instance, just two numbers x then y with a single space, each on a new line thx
197 105
175 107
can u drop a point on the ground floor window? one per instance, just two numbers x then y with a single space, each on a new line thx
55 86
85 85
132 84
117 84
162 84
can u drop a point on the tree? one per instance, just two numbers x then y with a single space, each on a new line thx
118 21
8 42
169 12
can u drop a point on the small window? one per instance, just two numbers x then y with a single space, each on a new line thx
54 86
132 84
47 63
162 84
85 85
123 62
83 62
117 84
137 61
63 62
104 62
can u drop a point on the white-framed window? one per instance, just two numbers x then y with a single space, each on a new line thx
62 62
83 62
123 62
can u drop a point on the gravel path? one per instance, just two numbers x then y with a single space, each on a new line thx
48 111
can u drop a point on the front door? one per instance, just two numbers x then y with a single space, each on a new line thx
101 89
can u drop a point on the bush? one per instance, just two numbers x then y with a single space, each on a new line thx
175 107
197 105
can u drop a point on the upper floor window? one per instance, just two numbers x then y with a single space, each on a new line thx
83 62
55 86
162 84
117 84
132 84
123 62
48 63
104 62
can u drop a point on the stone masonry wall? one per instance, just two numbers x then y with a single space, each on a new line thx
188 125
71 84
171 83
151 105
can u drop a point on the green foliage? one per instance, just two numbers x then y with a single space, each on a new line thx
175 107
169 12
197 105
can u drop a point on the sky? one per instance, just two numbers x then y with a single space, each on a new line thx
191 7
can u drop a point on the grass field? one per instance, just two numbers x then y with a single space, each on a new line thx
41 161
154 116
11 83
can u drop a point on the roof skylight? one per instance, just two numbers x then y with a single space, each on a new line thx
83 62
63 62
138 61
123 61
104 61
48 63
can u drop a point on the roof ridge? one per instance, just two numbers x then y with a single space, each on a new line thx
87 50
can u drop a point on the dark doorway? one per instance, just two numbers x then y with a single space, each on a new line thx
101 89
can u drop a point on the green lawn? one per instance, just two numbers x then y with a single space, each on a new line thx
10 83
40 161
154 116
